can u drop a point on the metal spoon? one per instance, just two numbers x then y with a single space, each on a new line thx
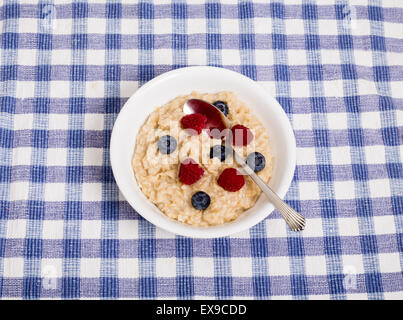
217 120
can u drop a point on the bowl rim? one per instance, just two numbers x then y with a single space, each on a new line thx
227 229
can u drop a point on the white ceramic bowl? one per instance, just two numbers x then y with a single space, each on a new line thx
166 87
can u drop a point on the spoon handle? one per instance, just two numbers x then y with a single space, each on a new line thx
295 221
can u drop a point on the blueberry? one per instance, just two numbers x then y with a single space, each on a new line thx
222 106
256 161
167 144
200 200
219 151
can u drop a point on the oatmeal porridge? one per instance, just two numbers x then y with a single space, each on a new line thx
187 174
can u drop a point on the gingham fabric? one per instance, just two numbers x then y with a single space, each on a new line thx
67 67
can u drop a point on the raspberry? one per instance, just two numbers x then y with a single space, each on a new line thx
195 121
241 135
231 180
190 172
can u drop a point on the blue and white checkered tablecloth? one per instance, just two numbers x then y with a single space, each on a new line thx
67 67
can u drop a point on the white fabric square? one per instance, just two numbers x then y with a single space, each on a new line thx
196 26
313 228
91 229
337 121
28 25
129 56
58 121
203 267
13 267
327 27
53 229
297 57
394 58
348 227
364 58
375 154
317 297
94 121
96 57
230 57
241 267
270 86
353 264
300 89
61 57
333 88
308 190
92 192
315 265
93 156
379 188
384 224
23 121
27 57
262 25
228 26
344 189
95 89
279 266
366 87
90 267
62 26
294 26
161 234
127 88
130 26
163 56
51 269
96 25
340 155
16 228
264 57
306 156
302 121
398 295
396 88
329 56
359 27
22 156
197 57
56 157
371 120
162 26
128 268
128 229
19 190
356 296
165 267
55 192
24 89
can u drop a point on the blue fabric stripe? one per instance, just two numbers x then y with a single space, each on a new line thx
332 246
9 56
146 246
213 35
261 281
183 246
388 113
222 268
366 223
109 286
74 174
33 243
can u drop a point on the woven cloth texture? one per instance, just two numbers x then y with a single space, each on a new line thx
67 68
